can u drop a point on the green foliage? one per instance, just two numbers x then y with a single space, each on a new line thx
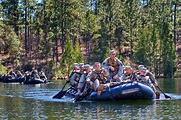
12 13
126 61
70 56
51 64
59 74
2 70
143 27
155 47
168 53
11 43
100 51
46 45
179 21
143 47
78 54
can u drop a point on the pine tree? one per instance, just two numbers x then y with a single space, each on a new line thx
78 54
68 58
11 44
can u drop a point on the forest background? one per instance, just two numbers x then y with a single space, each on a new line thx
51 35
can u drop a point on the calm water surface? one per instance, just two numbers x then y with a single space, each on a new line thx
34 102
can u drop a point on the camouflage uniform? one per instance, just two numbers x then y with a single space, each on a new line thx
129 76
152 78
42 75
148 73
83 78
74 79
12 74
116 64
146 79
98 78
34 74
19 75
27 76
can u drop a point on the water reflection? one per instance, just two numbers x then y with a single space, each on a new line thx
171 85
108 110
127 109
169 109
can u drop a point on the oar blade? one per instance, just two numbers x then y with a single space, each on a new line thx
166 96
59 95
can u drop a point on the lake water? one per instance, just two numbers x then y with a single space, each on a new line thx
34 102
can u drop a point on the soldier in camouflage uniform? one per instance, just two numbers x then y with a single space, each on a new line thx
11 74
75 69
97 80
34 73
128 75
148 73
146 78
76 74
84 76
114 67
81 66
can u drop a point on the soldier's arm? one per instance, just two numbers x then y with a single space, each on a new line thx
72 79
45 77
105 64
90 76
105 73
152 78
81 82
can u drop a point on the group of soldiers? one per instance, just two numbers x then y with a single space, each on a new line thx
34 74
84 78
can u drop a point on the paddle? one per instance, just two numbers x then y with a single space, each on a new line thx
166 96
61 93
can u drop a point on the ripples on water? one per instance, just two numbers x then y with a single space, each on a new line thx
35 102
